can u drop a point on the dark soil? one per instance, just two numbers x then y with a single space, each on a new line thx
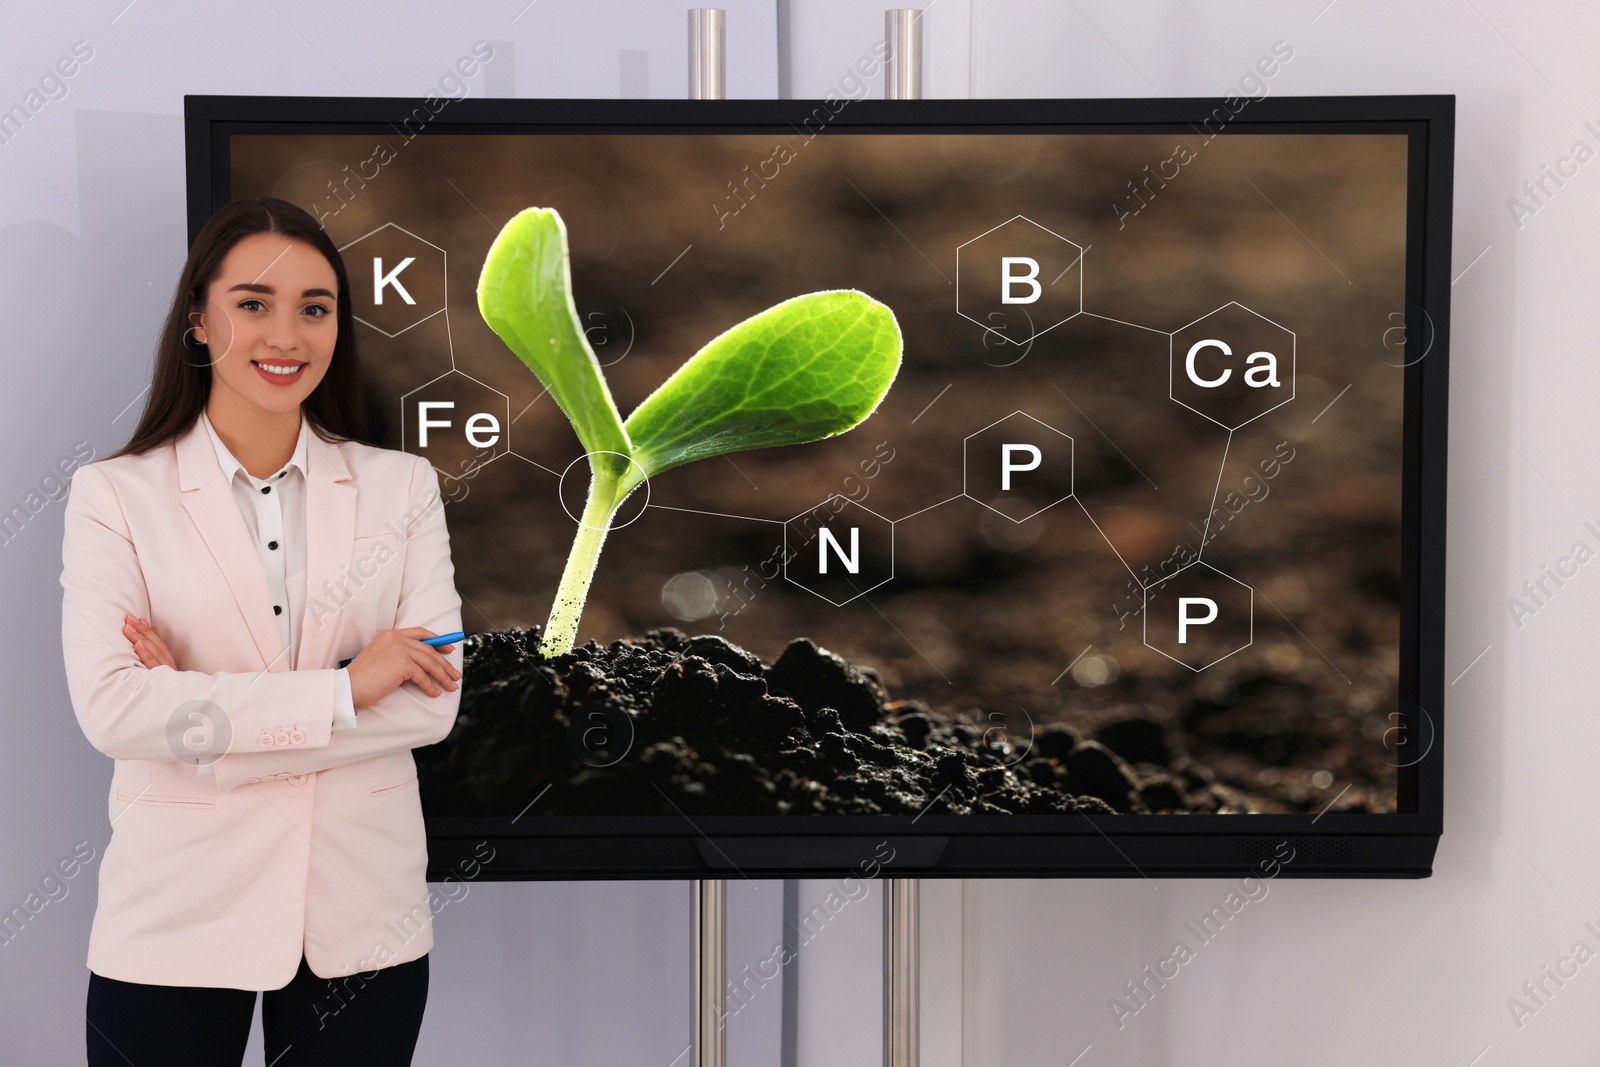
671 724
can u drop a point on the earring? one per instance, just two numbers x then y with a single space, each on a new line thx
186 344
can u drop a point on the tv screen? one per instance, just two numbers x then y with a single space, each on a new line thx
1135 565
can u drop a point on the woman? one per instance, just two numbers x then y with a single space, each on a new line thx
266 826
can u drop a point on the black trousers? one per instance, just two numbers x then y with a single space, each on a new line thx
368 1018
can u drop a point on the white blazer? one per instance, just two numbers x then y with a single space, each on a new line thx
302 838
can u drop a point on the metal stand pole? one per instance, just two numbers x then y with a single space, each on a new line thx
902 80
902 71
900 986
708 896
707 64
709 901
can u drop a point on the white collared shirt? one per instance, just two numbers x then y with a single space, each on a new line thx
274 511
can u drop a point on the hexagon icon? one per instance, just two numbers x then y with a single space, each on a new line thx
838 550
1232 365
1017 466
1198 616
456 423
1019 280
396 279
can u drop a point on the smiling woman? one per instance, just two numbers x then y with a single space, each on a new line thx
234 729
263 285
270 351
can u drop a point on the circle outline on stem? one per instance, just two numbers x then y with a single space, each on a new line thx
609 526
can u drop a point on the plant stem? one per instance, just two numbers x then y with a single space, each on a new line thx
562 628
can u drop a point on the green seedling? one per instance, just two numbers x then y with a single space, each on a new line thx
807 369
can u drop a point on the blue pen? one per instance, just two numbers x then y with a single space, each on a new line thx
442 639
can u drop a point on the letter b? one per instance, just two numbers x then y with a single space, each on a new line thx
1009 280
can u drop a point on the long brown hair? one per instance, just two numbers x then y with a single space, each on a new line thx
181 385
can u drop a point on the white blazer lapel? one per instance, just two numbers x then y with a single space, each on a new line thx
330 539
211 506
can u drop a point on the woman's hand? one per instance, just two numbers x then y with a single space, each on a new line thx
398 656
147 644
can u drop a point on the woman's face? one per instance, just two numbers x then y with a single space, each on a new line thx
271 308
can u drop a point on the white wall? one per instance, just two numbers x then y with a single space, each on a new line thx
92 235
1348 972
1381 972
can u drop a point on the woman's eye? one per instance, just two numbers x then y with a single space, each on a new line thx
245 304
319 307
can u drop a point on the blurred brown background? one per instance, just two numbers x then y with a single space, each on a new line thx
982 614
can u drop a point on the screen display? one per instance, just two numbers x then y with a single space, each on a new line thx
1123 535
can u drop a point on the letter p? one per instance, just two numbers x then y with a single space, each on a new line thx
1185 620
1007 466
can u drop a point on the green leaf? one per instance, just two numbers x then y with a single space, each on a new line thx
806 369
809 368
525 295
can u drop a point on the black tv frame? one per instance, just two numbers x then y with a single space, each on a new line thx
1401 844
